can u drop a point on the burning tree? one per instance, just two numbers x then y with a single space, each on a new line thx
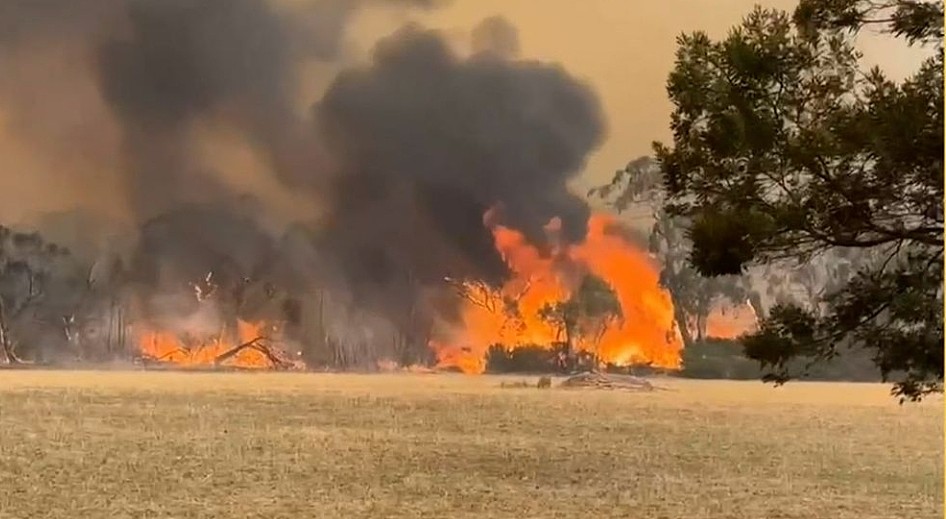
247 313
541 280
639 184
483 295
582 320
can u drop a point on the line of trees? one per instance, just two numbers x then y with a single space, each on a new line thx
47 300
58 307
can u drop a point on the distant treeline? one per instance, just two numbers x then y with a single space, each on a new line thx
707 359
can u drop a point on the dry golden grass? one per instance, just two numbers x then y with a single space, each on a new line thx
114 445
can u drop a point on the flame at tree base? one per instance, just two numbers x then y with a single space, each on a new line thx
646 333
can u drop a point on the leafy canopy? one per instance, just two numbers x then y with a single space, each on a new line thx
784 149
587 314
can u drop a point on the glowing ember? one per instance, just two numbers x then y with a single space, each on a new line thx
646 334
169 347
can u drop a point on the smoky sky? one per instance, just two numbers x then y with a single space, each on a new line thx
496 35
184 59
406 152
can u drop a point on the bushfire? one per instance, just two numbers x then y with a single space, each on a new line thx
644 334
513 316
245 347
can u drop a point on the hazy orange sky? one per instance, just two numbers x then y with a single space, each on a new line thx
624 49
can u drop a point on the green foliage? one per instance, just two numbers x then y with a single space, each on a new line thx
560 315
785 149
596 305
914 20
584 318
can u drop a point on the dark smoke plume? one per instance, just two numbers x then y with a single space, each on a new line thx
406 154
186 59
428 141
178 61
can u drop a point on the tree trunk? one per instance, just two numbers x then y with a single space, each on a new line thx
569 350
317 347
111 325
121 332
6 344
254 344
755 301
700 326
681 320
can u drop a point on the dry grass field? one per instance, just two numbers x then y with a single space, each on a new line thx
127 444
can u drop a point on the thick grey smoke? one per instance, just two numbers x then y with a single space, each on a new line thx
408 152
428 141
187 59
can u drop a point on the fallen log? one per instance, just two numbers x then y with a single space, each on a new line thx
597 380
223 357
270 355
255 344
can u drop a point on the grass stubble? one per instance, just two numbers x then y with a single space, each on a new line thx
225 445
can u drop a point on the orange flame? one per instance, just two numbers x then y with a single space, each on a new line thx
168 347
646 334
